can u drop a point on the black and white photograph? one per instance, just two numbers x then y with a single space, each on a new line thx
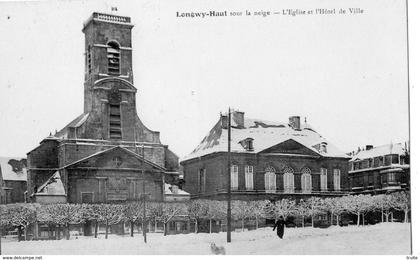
206 127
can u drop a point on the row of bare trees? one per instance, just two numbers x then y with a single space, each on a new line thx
61 216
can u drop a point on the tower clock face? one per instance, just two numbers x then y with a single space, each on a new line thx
114 96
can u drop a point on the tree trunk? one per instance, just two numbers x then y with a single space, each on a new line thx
256 223
25 233
164 228
312 220
19 230
303 221
392 216
338 220
106 229
382 214
96 228
242 225
57 231
405 216
363 219
196 226
358 218
210 226
67 231
386 215
131 228
332 219
155 225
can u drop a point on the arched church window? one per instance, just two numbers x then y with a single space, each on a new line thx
113 55
270 179
288 180
306 180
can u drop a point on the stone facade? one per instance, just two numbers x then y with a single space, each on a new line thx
109 134
278 155
381 169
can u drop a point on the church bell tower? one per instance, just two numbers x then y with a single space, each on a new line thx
109 93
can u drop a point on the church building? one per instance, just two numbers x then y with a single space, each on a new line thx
102 154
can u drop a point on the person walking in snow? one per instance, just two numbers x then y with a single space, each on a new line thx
280 227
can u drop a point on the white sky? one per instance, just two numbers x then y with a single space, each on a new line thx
346 74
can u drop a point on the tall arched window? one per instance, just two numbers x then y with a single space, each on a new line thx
234 177
324 179
288 180
249 177
113 55
306 180
337 183
270 179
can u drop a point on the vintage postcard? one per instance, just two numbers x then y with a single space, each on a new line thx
204 128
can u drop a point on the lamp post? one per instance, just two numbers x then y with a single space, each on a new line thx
144 196
229 210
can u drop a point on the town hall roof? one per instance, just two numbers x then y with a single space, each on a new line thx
265 134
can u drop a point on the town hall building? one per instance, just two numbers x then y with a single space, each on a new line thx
270 160
100 155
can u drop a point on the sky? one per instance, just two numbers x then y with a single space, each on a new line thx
347 74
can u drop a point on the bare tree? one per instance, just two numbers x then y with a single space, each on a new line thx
196 210
109 214
170 210
401 201
284 208
303 209
19 215
359 205
315 207
215 210
258 209
241 210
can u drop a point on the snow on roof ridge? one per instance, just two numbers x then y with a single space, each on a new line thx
265 136
381 150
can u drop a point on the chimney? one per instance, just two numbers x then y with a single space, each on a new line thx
238 119
294 122
368 147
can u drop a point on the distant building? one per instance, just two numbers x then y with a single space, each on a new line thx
174 193
13 178
380 169
98 157
269 161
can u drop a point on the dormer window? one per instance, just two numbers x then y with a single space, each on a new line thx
323 147
113 55
248 144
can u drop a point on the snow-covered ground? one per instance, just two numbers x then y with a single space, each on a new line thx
385 238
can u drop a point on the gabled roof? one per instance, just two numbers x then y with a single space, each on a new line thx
13 169
77 122
265 135
129 152
53 186
397 148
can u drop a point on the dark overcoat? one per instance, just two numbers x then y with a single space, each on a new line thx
280 227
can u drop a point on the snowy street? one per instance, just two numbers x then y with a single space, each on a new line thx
385 238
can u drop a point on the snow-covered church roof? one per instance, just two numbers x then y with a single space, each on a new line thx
13 169
265 134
